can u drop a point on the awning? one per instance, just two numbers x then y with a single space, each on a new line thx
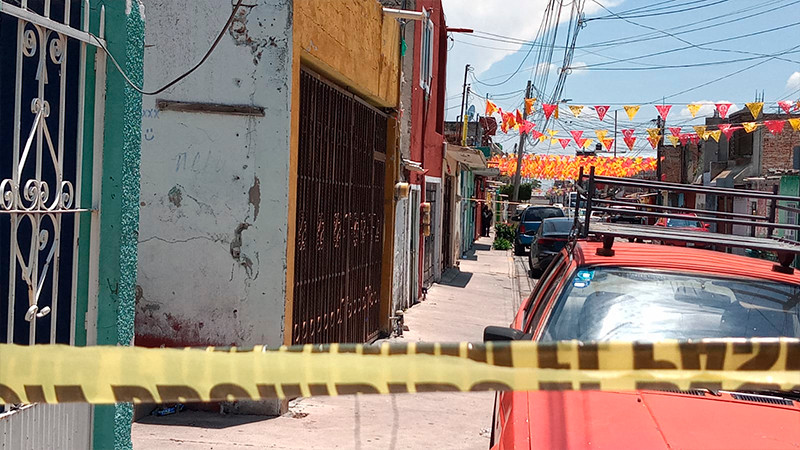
471 157
729 177
490 172
413 166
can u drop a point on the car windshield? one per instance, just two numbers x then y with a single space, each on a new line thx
609 303
557 226
539 214
683 223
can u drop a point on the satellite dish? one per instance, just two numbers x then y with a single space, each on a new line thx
471 112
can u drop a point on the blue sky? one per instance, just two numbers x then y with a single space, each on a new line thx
495 59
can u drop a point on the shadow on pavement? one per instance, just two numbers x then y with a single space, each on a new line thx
203 420
456 278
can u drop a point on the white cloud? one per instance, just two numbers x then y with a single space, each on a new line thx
793 83
494 16
707 109
545 67
578 67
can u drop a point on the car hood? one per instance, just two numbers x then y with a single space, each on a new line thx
653 419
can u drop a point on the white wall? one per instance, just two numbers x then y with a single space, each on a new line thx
214 201
402 257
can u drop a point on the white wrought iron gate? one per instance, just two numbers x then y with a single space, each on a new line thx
48 145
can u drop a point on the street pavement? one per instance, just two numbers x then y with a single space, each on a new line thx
486 291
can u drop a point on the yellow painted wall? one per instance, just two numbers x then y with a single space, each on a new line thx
352 43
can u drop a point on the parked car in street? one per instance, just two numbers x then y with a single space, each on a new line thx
688 222
619 217
601 288
550 238
650 293
529 222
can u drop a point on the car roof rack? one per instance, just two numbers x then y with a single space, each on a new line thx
586 187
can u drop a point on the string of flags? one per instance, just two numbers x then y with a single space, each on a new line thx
563 167
517 121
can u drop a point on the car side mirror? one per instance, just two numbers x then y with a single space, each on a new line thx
706 226
504 334
515 218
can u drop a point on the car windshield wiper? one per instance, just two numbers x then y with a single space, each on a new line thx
788 395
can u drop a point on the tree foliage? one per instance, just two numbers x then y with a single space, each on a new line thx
525 189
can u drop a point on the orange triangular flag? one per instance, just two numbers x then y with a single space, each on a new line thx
749 126
700 130
608 143
715 134
693 108
587 143
755 108
654 141
795 123
653 132
519 117
601 134
576 109
529 105
491 108
631 111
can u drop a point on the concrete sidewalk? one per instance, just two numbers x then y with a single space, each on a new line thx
458 309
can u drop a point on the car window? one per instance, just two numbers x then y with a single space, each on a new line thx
557 226
610 303
683 223
544 281
539 214
559 270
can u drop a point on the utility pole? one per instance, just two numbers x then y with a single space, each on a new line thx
521 148
463 100
615 132
465 121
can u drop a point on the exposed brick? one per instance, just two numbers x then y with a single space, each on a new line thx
777 149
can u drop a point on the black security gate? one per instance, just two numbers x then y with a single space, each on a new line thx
447 220
430 240
341 170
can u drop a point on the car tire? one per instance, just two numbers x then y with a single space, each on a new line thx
519 249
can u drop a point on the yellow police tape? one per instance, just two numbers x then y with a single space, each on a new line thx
57 374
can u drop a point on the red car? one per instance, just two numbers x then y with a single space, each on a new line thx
648 293
690 223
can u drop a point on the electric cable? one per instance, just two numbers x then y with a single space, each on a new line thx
187 73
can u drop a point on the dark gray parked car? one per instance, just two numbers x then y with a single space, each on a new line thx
549 239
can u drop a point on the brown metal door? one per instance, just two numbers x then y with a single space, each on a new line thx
339 243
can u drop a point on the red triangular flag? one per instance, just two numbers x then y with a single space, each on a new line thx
663 110
608 143
629 141
535 134
723 109
694 138
684 138
564 142
786 106
654 141
581 142
676 131
526 127
727 129
576 134
774 126
628 133
548 109
519 117
601 111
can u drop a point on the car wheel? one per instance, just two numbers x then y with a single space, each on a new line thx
519 249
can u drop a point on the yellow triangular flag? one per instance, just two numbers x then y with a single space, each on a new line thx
700 130
631 111
750 126
552 132
601 134
653 132
674 140
694 108
588 143
755 108
576 109
715 134
542 138
795 123
554 141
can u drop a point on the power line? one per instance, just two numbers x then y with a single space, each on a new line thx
662 13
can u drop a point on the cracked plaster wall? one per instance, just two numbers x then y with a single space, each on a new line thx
214 188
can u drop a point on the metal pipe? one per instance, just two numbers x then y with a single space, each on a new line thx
645 184
405 14
748 223
686 210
